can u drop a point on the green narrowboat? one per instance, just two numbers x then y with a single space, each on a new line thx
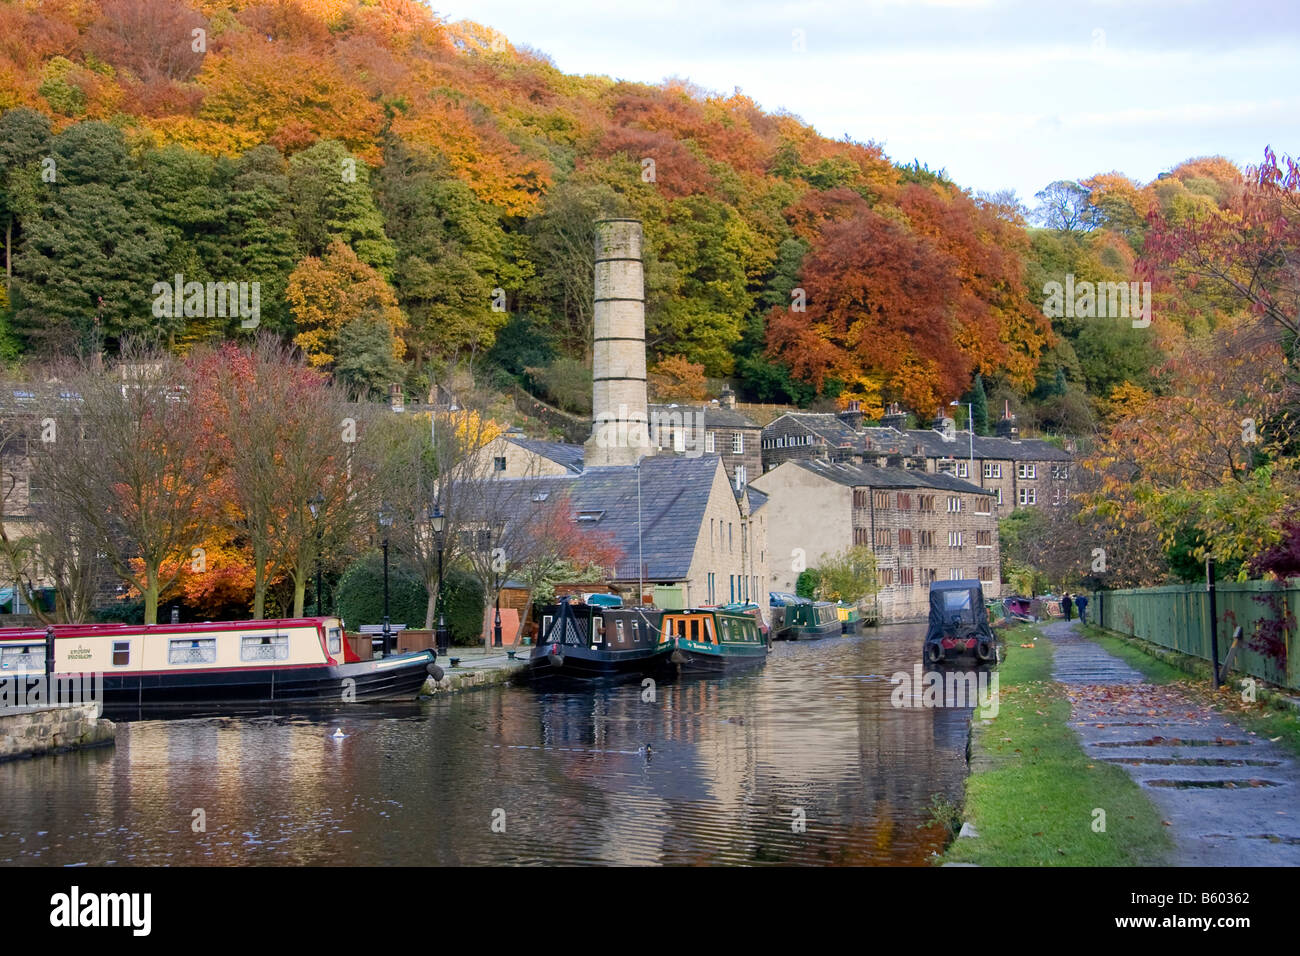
850 618
713 640
798 619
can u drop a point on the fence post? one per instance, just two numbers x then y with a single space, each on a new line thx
1214 621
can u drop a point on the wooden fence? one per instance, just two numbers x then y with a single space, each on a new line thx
1177 616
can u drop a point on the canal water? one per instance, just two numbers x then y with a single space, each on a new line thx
804 762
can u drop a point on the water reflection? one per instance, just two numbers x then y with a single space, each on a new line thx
710 771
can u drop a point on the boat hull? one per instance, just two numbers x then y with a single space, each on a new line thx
569 663
691 658
399 676
811 632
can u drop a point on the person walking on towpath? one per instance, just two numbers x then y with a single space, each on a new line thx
1082 603
1067 606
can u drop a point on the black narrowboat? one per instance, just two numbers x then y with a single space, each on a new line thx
587 642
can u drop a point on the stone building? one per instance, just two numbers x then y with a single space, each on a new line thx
714 428
1020 472
921 526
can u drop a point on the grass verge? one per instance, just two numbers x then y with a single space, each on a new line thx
1269 715
1032 788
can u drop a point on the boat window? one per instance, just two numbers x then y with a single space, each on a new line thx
336 640
121 653
597 629
637 628
546 626
192 651
681 627
264 647
22 657
622 638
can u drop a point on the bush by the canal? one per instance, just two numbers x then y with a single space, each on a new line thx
361 597
806 585
122 612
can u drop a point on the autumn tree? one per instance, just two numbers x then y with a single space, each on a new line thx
333 292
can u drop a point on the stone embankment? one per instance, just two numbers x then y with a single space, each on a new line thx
30 731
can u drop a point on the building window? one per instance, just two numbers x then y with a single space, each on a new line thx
907 577
1025 470
992 469
1029 496
1059 496
195 651
955 539
860 536
742 476
983 504
983 539
954 574
927 539
930 575
886 577
882 499
963 469
35 491
264 647
678 436
904 502
925 503
499 463
986 574
738 443
954 504
999 491
904 537
709 443
883 538
1060 472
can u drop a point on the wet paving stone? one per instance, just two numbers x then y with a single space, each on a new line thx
1203 772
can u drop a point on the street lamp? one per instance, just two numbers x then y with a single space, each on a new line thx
317 505
496 633
438 522
970 427
386 522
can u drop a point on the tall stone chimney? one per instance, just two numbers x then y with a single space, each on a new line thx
620 432
894 417
852 415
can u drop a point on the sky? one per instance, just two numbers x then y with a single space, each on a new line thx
1002 94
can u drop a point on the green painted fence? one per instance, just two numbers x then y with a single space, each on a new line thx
1176 616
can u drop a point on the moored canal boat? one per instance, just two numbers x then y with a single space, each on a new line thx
801 619
850 618
578 641
713 640
294 660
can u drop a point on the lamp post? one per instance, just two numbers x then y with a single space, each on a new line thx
970 427
385 523
438 522
496 631
317 505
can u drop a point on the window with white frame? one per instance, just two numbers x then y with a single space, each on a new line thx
992 469
742 476
954 539
1029 496
1027 470
738 443
963 469
709 442
954 504
954 574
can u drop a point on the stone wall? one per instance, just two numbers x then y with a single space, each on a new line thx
40 730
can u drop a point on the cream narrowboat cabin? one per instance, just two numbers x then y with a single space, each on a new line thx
243 662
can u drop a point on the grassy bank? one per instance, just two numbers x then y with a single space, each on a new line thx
1032 789
1269 715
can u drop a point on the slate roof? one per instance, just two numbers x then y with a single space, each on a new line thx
1027 449
715 416
756 498
674 493
857 476
570 456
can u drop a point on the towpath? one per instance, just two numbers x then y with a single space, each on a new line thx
1230 797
